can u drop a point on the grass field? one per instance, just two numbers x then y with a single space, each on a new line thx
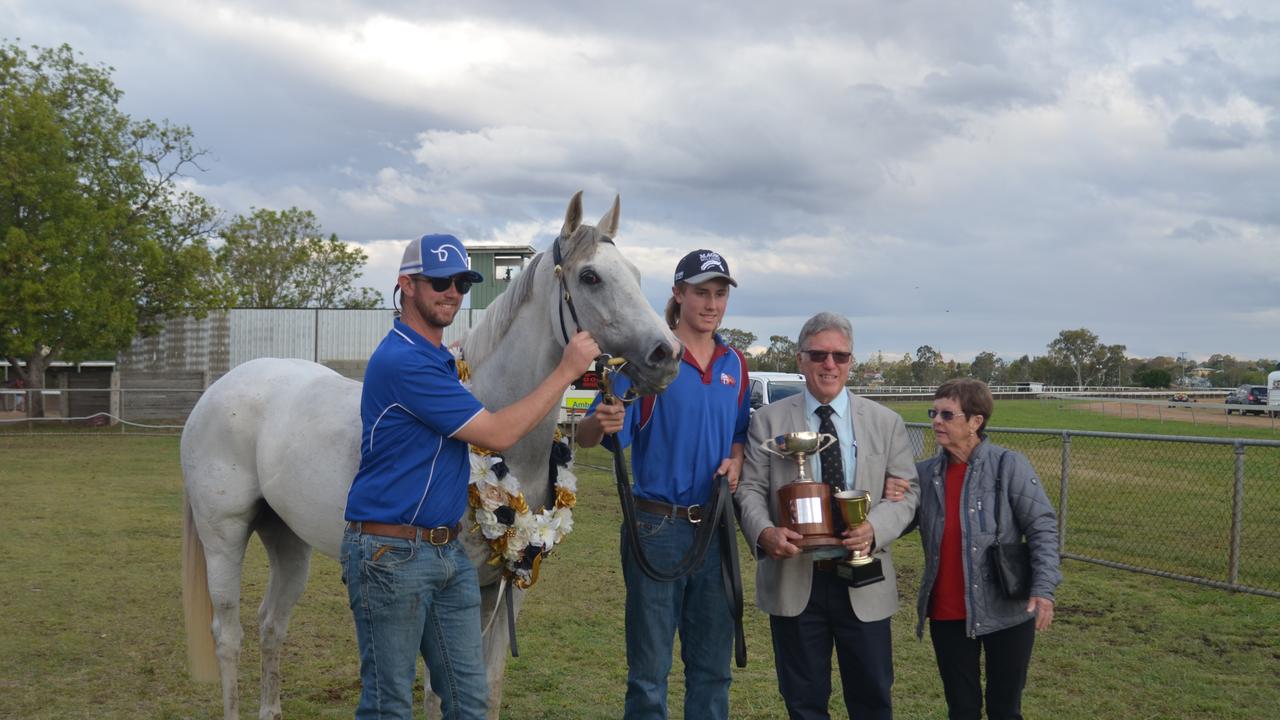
90 622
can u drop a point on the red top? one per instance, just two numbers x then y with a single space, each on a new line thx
947 601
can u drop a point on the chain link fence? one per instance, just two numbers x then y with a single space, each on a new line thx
1203 510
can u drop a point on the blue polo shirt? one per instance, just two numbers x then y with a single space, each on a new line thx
679 437
411 470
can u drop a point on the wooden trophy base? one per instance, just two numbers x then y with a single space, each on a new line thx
806 509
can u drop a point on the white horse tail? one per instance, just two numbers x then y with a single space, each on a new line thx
197 606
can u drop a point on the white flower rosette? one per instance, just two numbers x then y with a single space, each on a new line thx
544 529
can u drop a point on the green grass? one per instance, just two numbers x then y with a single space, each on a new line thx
90 616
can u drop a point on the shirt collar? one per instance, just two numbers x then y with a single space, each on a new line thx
840 404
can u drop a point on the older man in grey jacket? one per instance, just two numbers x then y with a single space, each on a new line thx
810 607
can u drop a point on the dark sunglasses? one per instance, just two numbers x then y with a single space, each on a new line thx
820 356
947 415
442 284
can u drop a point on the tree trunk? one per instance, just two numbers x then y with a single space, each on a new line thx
33 378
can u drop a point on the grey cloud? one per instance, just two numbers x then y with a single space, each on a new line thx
982 87
1203 134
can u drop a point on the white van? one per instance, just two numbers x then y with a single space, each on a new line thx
767 387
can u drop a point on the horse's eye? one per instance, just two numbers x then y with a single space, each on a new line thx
588 277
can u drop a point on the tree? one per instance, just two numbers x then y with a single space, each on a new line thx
740 339
983 366
1074 349
282 260
98 241
780 356
927 369
1153 378
898 373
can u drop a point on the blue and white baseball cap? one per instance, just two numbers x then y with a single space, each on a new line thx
700 266
438 256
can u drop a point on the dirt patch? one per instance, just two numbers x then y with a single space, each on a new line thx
1192 413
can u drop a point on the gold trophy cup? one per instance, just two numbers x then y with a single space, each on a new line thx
805 504
858 570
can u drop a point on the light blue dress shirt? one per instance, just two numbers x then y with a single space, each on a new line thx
843 421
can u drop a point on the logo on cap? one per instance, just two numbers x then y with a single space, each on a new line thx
442 252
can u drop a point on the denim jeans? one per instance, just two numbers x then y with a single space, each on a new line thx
695 606
410 598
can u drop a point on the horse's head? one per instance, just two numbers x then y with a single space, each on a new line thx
605 288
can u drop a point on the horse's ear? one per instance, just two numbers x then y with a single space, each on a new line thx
609 223
572 216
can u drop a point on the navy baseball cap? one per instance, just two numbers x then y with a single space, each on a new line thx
438 256
700 266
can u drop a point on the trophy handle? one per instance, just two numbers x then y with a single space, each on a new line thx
826 441
770 446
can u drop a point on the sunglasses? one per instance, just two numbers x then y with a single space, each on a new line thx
820 356
947 415
442 284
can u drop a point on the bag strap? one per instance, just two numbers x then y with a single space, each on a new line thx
1000 499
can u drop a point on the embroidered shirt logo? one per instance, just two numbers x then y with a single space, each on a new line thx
727 379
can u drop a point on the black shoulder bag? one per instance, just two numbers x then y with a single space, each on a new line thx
1010 562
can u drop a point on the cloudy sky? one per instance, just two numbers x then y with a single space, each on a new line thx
973 176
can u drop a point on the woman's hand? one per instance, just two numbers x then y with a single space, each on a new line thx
1043 608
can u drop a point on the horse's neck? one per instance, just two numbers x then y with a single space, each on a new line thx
519 362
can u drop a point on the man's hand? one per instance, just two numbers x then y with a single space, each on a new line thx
860 538
610 416
895 488
732 467
579 353
776 542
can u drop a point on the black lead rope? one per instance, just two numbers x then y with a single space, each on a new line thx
721 518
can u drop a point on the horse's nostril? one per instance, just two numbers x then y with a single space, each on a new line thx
659 355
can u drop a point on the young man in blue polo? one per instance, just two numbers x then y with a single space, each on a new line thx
411 586
681 440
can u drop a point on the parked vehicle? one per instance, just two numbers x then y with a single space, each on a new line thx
1180 399
767 387
1248 395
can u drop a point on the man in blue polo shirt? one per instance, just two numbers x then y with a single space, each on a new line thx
411 586
681 440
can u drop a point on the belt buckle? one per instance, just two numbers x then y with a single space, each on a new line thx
438 535
695 514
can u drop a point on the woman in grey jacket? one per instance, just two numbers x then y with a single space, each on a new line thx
968 613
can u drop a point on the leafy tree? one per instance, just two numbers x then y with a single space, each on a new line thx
928 368
780 356
282 260
898 373
1075 349
99 243
983 366
1110 365
741 339
1153 378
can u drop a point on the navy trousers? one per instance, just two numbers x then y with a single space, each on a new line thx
802 656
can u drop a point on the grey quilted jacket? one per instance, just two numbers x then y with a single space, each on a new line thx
1026 512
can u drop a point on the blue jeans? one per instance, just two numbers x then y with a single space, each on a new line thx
694 605
410 598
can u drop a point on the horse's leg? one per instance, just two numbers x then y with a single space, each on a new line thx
290 560
224 555
497 642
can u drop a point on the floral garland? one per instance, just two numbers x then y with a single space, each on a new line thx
517 537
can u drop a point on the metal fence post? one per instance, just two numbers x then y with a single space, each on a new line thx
1062 491
1237 518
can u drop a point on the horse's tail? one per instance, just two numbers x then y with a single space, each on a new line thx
197 605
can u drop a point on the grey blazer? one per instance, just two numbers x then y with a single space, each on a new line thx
782 586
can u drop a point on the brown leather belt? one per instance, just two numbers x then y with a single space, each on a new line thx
692 513
436 536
